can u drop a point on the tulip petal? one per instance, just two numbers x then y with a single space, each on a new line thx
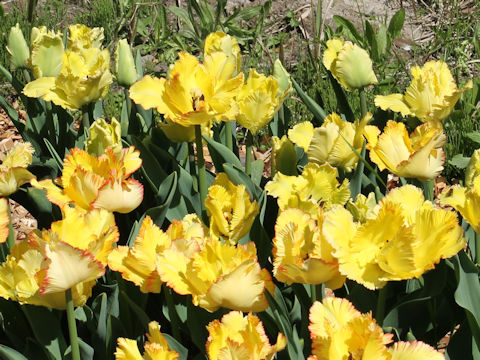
148 92
118 196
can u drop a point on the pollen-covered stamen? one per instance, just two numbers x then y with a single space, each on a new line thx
197 98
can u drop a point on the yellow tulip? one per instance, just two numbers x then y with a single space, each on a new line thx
316 186
46 52
415 350
466 201
13 169
419 156
82 37
97 182
4 220
156 348
103 135
220 275
349 64
431 96
241 337
194 93
301 253
139 263
339 331
473 168
331 143
125 64
230 209
17 48
219 41
71 255
257 101
403 237
84 78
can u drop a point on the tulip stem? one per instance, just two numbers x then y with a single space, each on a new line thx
381 302
172 312
228 135
72 327
86 118
248 153
363 102
202 174
477 248
129 103
191 162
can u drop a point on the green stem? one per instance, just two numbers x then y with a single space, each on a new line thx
363 102
381 303
72 327
191 162
477 248
11 233
228 135
428 189
248 153
86 117
129 103
202 173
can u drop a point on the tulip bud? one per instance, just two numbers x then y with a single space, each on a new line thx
285 156
349 64
17 48
219 41
102 136
125 65
283 79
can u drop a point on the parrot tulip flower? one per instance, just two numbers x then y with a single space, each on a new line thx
83 37
316 186
419 155
194 93
155 348
466 200
103 135
97 182
139 263
221 42
331 143
241 337
13 169
71 255
339 331
301 253
431 95
349 64
220 275
403 237
230 209
46 52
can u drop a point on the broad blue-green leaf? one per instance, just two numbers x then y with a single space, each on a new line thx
51 336
175 345
350 29
221 154
311 105
7 353
459 161
165 193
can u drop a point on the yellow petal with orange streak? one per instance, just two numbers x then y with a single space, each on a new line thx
4 220
119 196
66 266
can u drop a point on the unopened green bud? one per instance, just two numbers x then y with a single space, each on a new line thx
282 77
17 48
125 65
102 136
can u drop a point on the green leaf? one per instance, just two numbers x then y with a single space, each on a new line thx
350 29
166 192
54 154
86 351
396 24
372 40
311 105
175 345
238 176
101 334
468 290
7 353
474 136
381 41
257 171
459 161
51 336
221 154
